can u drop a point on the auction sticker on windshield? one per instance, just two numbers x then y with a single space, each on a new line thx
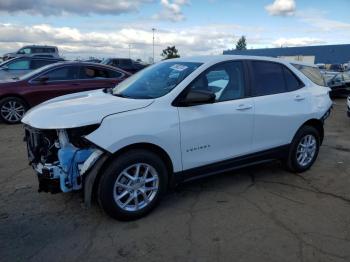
178 67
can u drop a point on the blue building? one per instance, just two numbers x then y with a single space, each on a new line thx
327 54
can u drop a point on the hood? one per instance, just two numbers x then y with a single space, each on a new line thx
80 109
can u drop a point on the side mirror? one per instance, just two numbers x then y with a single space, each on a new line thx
197 97
41 79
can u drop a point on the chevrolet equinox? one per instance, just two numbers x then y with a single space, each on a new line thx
175 121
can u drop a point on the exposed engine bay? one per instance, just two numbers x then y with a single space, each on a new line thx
61 157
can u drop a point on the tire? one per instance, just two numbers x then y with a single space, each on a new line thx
306 135
12 109
120 180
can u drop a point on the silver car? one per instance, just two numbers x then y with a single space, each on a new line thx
19 66
34 50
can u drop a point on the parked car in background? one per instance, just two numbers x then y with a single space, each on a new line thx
340 85
336 67
93 60
34 50
321 66
126 64
16 67
178 120
18 95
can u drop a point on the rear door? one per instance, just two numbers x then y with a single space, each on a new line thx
222 130
281 104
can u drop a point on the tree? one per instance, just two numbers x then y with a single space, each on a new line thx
170 52
241 44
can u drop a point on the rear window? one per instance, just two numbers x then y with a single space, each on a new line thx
313 73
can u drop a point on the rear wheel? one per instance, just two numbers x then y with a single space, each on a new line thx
12 109
304 149
132 185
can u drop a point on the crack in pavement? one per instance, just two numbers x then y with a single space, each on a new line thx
301 241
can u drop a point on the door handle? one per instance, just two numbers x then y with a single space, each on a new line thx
299 98
242 107
75 84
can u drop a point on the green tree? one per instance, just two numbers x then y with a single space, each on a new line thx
241 43
170 52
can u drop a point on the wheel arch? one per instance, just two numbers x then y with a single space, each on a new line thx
93 178
318 124
16 96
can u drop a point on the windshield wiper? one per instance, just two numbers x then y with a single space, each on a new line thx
121 95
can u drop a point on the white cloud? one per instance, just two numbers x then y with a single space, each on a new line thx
297 41
318 21
281 8
172 10
61 7
197 40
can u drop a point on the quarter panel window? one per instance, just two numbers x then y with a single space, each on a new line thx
268 78
313 73
226 80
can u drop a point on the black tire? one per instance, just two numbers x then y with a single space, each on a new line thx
292 163
112 172
5 105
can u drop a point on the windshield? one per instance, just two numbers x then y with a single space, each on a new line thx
36 71
106 61
155 81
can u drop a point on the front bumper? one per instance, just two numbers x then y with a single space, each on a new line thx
67 166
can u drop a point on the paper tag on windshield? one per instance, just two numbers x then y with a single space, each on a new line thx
179 67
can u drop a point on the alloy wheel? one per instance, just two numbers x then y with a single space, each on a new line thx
306 150
12 111
135 187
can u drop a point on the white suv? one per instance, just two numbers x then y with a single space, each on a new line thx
175 121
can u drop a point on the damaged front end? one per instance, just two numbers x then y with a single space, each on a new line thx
61 157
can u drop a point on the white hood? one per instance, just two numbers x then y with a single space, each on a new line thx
79 109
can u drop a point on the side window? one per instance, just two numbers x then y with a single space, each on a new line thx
19 65
40 63
114 74
268 78
313 73
225 80
292 82
346 77
338 78
37 50
125 62
88 72
24 51
63 73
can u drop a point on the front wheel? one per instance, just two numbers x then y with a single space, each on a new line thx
304 149
132 184
12 109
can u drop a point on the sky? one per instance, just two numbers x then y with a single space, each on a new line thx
123 28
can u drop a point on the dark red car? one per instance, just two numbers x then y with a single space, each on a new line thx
19 94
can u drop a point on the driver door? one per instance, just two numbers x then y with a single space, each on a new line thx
221 130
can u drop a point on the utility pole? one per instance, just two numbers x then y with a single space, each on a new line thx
153 30
129 50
